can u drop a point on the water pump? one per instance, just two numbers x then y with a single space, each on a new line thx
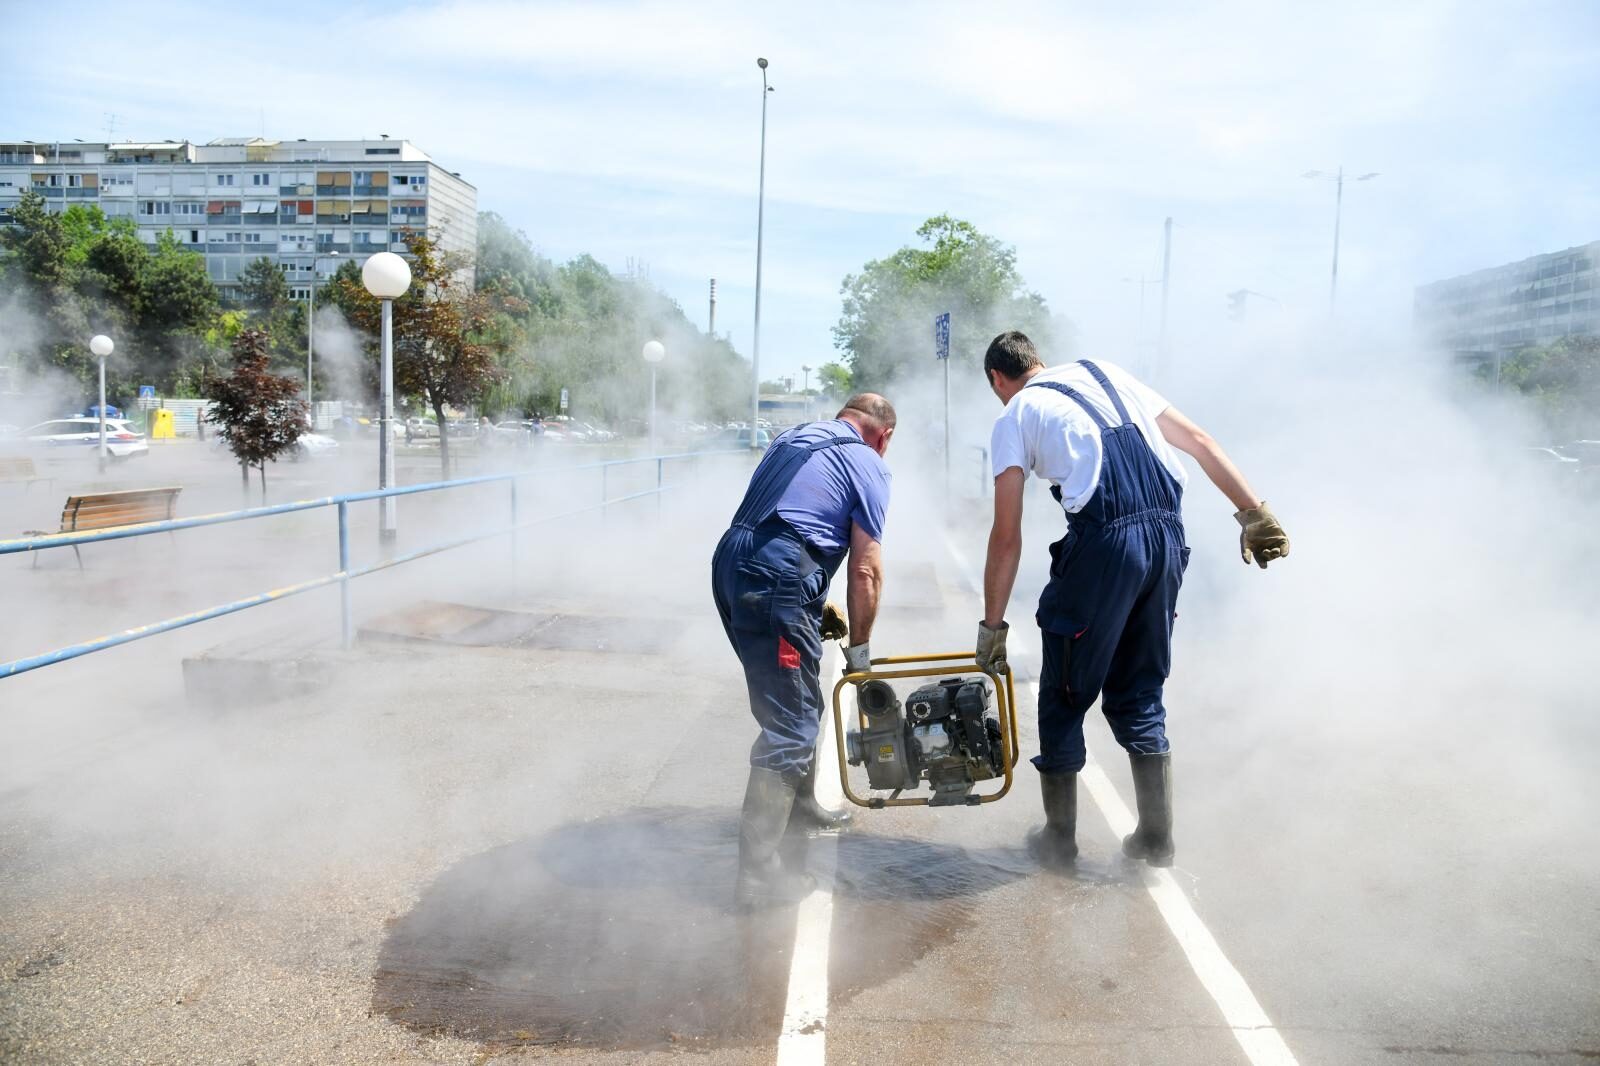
943 733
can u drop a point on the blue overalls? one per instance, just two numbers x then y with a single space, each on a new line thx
1106 613
770 586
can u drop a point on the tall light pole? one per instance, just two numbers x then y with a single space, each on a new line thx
1338 209
806 370
761 200
1138 332
654 352
386 276
102 346
311 329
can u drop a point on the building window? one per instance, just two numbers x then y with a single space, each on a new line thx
224 179
261 180
252 238
194 236
155 207
74 181
383 151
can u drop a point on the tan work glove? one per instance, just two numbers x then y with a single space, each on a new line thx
857 659
834 626
1261 538
991 653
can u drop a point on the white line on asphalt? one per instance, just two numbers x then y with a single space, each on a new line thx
803 1040
1261 1042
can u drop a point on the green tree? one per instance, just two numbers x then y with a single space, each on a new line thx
886 328
79 273
834 381
578 326
1563 381
262 289
442 332
261 414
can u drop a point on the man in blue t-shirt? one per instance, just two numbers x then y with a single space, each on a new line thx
820 494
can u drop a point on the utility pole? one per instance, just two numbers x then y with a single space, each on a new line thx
711 318
1166 284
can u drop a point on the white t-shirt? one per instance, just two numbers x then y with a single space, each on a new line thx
1046 433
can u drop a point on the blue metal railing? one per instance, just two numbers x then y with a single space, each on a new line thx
345 574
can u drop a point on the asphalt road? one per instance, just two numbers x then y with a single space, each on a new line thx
502 842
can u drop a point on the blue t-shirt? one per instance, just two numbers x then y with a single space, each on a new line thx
839 485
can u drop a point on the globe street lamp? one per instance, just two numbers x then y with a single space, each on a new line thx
386 276
654 352
102 346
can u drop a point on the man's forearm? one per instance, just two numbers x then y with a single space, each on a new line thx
1000 574
1226 477
861 600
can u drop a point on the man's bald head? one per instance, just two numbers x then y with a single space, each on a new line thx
872 407
873 416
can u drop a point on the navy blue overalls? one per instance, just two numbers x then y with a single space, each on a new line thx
1107 611
770 586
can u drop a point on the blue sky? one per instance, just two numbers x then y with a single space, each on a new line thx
629 130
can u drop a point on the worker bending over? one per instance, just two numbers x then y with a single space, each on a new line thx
1105 442
821 492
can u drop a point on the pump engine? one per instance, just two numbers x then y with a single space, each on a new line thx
944 734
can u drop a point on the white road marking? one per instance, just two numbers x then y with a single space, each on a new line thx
1261 1042
803 1040
1251 1027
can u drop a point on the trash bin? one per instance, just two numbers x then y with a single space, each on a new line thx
161 427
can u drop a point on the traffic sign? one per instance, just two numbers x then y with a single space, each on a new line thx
147 392
563 399
941 336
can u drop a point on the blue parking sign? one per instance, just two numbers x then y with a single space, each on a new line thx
147 392
941 336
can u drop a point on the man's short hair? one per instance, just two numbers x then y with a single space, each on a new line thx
871 405
1011 354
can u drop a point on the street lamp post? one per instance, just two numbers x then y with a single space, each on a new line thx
654 352
102 346
761 199
311 329
386 276
806 370
1338 209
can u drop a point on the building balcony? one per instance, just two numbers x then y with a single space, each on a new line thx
329 247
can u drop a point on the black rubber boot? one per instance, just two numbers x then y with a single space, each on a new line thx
1152 788
1057 843
807 812
764 881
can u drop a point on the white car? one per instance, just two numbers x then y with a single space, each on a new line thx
314 446
83 434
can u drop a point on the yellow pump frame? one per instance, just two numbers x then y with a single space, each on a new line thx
946 665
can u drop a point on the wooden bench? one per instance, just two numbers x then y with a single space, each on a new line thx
107 510
19 470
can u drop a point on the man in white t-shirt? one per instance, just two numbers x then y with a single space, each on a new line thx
1108 444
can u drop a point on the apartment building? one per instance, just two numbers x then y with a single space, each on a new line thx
305 205
1488 314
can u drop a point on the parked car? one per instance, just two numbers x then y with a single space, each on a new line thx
314 446
422 429
122 440
1586 452
737 438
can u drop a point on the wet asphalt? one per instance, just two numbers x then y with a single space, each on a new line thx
499 850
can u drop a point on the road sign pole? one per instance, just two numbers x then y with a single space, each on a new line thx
941 342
